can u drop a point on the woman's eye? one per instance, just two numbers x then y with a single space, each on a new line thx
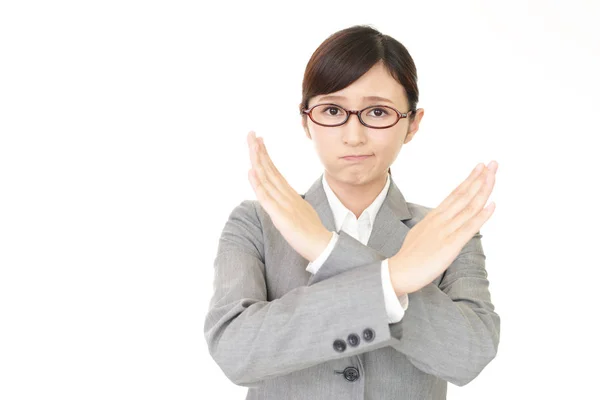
335 109
379 111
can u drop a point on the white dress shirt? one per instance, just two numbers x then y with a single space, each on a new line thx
360 229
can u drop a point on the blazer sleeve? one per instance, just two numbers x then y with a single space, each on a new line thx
252 339
450 330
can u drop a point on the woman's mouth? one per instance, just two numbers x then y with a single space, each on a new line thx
356 158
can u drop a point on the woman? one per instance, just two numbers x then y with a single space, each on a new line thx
349 291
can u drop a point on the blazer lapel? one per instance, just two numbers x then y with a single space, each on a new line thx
388 231
389 228
318 200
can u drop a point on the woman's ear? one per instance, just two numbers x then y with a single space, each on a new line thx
414 125
305 126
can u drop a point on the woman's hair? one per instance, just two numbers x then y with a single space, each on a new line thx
348 54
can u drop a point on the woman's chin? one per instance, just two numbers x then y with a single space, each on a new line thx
354 177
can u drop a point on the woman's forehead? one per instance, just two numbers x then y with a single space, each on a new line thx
394 97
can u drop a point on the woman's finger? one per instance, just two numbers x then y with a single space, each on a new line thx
267 159
468 230
251 139
465 198
463 194
265 184
460 189
256 178
262 183
262 195
273 174
467 207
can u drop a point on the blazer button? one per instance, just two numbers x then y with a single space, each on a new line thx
353 340
351 374
368 334
339 345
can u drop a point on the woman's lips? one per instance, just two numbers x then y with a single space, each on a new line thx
355 158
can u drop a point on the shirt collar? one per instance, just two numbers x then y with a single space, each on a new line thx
340 212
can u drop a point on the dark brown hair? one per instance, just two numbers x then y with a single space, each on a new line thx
348 54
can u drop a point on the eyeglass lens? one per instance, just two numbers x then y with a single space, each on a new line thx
376 116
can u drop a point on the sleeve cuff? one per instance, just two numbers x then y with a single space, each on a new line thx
314 266
394 305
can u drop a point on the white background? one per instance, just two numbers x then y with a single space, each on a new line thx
123 150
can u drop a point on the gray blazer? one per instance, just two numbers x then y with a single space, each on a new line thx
285 334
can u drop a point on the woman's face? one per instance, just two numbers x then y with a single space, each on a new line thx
381 145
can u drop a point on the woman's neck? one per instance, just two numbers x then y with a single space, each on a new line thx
357 198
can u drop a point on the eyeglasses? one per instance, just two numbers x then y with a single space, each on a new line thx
377 117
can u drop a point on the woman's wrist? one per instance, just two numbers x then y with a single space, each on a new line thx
321 244
396 277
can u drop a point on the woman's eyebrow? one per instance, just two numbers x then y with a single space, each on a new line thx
378 98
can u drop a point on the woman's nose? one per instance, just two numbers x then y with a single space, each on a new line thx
354 131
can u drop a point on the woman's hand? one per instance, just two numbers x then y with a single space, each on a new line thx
293 216
432 244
